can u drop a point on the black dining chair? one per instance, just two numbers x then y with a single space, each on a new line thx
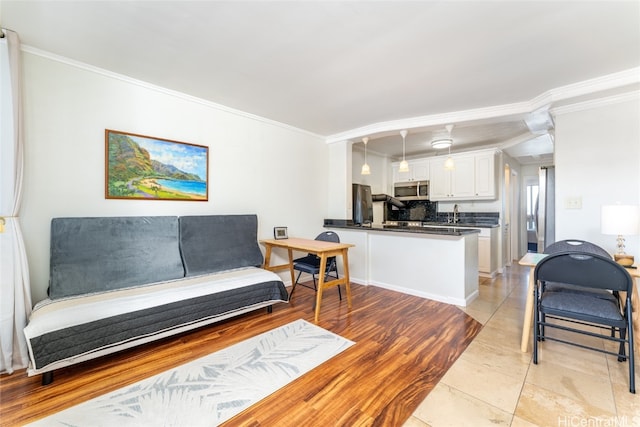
576 245
311 264
589 310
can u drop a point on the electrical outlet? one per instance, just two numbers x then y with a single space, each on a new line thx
573 203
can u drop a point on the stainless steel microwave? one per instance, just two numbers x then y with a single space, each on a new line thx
411 190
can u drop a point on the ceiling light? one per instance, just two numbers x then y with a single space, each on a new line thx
404 165
365 168
441 143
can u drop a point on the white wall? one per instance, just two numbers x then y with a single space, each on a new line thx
255 166
597 157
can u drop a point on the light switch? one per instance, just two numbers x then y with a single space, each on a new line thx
573 203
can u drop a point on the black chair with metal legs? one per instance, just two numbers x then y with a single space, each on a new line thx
562 310
311 264
576 245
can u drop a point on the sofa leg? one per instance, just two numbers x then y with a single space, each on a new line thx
269 309
47 378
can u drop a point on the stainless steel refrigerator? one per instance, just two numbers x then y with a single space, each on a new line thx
362 204
546 221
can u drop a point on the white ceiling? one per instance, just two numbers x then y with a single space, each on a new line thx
346 69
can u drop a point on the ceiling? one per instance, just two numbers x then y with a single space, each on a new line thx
348 69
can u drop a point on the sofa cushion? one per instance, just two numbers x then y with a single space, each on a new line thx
102 254
215 243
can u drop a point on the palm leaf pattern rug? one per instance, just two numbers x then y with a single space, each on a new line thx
214 388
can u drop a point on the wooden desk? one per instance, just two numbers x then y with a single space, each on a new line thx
530 260
324 250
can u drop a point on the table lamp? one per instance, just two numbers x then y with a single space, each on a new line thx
620 220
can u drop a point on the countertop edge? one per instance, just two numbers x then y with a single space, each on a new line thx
441 231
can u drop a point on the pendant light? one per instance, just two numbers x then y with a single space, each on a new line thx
365 168
404 166
449 164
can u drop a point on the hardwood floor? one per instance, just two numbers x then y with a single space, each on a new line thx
404 345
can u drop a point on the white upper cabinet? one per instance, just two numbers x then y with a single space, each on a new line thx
418 171
485 176
472 177
454 184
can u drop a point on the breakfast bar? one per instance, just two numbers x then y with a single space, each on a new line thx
438 263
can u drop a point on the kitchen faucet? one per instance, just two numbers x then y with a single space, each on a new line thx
455 214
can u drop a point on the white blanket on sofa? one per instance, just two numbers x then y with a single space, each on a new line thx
53 315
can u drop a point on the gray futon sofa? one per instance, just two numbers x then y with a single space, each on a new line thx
117 282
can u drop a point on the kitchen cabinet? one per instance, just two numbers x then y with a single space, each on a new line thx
418 171
488 239
455 184
488 251
484 254
485 176
472 178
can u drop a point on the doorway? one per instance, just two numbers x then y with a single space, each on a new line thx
506 227
516 229
532 217
512 232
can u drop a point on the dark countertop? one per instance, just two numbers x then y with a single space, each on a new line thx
464 224
446 231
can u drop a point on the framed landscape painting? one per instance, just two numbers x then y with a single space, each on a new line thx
148 168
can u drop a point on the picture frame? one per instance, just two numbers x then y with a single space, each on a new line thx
280 233
140 167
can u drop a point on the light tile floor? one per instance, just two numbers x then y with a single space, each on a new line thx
493 383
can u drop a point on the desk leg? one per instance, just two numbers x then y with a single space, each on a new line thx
293 274
267 257
528 315
323 267
345 261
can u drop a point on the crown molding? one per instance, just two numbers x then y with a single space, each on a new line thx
160 89
394 126
597 103
544 101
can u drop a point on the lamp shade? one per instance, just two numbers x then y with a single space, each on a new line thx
620 219
449 164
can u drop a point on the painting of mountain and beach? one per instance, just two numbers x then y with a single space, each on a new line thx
148 168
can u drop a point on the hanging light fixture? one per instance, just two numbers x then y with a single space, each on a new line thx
404 166
449 164
365 168
443 142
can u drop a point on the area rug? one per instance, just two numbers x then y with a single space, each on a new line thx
214 388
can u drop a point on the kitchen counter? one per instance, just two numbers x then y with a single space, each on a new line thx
439 263
462 224
448 231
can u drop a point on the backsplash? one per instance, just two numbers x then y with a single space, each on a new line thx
489 218
422 210
416 210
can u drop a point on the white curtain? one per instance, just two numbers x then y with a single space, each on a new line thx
15 290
